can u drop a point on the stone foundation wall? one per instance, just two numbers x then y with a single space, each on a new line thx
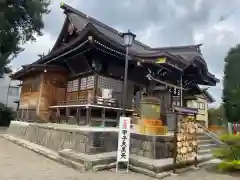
156 147
90 142
18 129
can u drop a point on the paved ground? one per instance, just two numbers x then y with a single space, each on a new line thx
3 130
18 163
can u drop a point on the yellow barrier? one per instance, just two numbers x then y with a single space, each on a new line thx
152 122
153 130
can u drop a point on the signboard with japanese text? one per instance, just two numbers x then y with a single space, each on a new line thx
123 139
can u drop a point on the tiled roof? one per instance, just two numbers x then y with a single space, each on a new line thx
179 54
80 20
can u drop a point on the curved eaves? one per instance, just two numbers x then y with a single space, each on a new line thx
198 61
82 19
66 48
61 34
55 47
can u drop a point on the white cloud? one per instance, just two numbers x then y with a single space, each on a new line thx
198 38
32 49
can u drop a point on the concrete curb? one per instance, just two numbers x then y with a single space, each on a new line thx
104 167
45 152
149 172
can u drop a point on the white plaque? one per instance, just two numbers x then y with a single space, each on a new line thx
123 139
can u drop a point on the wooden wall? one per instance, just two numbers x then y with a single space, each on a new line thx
42 91
29 100
80 87
30 93
47 88
51 90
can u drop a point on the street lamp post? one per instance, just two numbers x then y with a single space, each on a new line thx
128 38
8 88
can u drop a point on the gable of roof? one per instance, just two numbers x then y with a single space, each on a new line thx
61 34
80 20
208 95
205 94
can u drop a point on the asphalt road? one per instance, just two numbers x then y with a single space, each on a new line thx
18 163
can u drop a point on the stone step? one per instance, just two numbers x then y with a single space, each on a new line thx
156 166
207 146
203 137
95 161
205 152
205 141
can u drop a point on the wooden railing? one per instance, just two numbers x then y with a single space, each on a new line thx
210 134
112 102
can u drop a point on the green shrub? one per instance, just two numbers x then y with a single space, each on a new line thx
6 115
229 153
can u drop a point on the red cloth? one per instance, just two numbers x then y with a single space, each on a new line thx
235 129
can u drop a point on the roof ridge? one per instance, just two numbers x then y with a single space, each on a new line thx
93 20
177 47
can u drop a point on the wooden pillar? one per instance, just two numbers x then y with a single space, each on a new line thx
118 117
77 116
58 115
89 119
95 87
22 114
79 85
17 115
67 114
103 117
88 116
27 118
38 113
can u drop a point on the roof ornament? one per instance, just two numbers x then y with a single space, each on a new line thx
61 4
71 29
90 38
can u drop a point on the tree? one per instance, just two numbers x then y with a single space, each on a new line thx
231 85
229 153
21 21
6 115
216 116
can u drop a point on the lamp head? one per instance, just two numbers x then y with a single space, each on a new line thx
128 38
